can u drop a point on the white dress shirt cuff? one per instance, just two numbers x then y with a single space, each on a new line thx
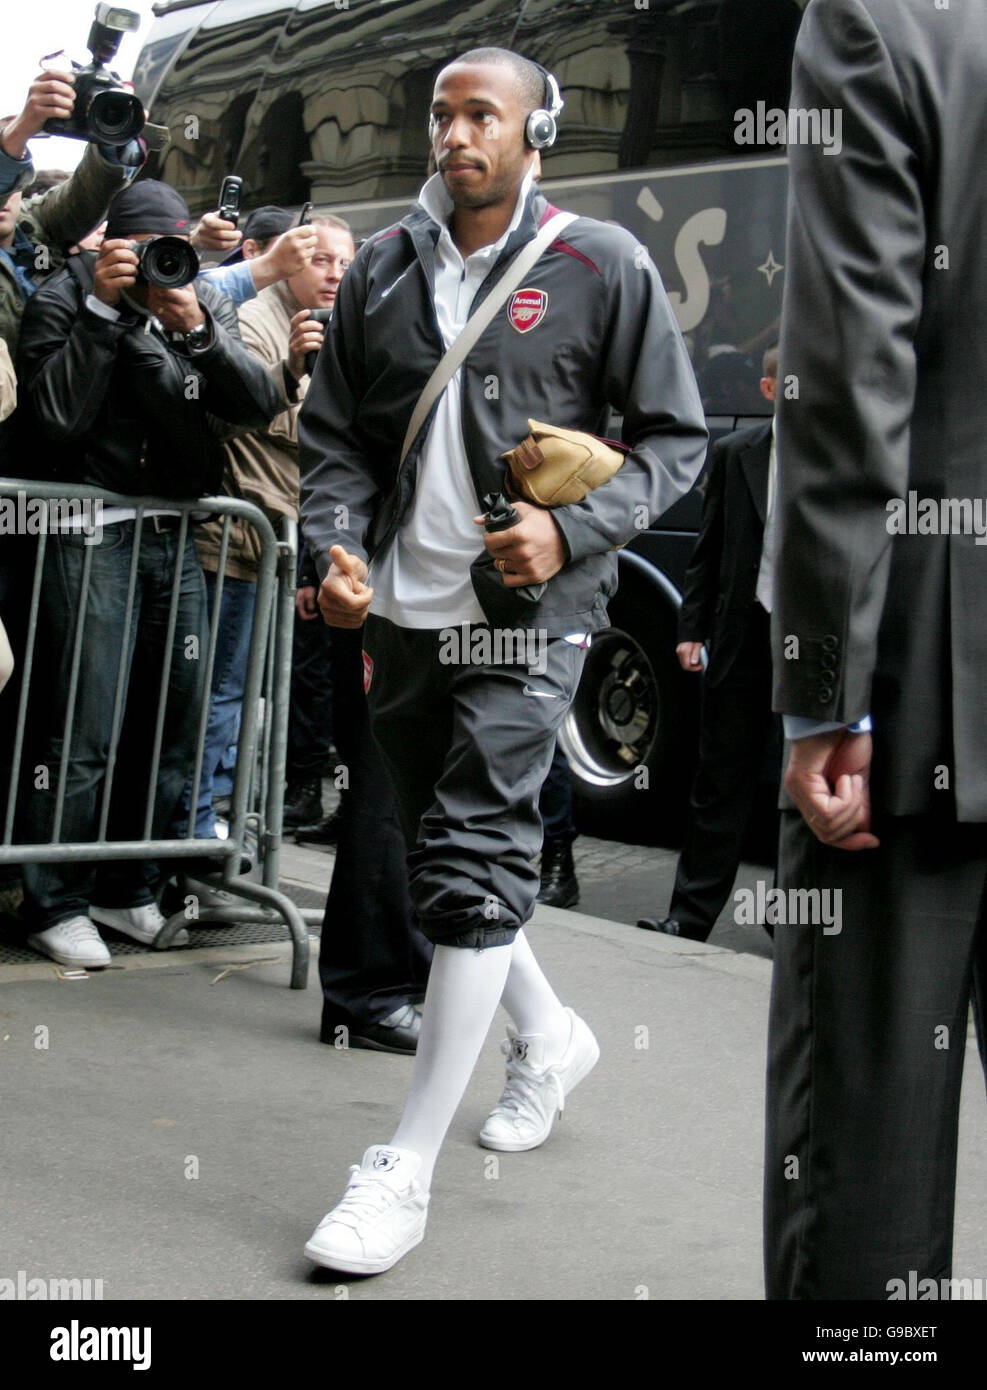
796 726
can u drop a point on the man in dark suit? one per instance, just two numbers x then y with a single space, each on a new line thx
726 607
879 624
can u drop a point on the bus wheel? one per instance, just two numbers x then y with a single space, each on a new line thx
630 734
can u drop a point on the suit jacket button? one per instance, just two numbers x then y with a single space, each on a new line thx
830 643
828 660
825 694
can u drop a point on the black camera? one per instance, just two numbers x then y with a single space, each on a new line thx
105 112
166 261
315 316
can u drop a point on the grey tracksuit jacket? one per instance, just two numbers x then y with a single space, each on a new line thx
607 338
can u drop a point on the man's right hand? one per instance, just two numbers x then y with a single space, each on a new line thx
344 599
116 270
52 94
828 778
214 233
690 655
291 253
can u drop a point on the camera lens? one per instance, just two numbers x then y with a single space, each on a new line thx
169 262
115 117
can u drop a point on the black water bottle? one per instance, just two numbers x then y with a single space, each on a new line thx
501 516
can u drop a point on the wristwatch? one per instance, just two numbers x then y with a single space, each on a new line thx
198 338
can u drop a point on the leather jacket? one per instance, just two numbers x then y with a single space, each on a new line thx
127 405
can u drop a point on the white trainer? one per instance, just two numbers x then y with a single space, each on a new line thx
381 1217
535 1093
74 942
139 923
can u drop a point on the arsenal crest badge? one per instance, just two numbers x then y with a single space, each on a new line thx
526 309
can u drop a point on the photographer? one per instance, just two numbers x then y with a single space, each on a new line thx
36 232
135 382
262 465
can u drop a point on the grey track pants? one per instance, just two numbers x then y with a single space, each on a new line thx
468 746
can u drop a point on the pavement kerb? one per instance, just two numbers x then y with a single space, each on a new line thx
695 953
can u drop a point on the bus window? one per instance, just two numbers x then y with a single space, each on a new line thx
206 96
341 92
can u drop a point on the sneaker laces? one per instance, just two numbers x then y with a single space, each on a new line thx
366 1196
79 931
524 1083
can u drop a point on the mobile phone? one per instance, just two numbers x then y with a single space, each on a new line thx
305 215
229 199
318 316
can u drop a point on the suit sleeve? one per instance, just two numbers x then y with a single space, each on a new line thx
702 578
855 257
648 377
338 489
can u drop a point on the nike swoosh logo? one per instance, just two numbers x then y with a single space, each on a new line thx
539 694
385 293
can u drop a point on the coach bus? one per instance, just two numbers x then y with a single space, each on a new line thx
327 100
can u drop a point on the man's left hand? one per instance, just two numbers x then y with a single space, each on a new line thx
530 552
828 778
178 310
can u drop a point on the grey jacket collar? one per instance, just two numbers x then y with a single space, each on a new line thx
424 230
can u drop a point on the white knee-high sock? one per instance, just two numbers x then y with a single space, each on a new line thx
532 1002
464 987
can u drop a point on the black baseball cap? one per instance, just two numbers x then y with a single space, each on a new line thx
261 225
147 206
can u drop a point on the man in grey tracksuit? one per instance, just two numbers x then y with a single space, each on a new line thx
466 716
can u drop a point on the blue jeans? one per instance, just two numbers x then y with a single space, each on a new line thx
55 892
236 622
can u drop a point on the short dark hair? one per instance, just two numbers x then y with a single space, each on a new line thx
769 366
529 80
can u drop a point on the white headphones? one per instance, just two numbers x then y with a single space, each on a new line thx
541 127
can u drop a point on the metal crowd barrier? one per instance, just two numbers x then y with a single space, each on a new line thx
258 781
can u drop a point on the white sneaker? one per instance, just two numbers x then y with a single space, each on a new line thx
381 1217
75 943
535 1093
139 923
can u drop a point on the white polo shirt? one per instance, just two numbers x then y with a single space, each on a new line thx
422 580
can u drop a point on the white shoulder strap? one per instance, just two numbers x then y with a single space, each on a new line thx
459 349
